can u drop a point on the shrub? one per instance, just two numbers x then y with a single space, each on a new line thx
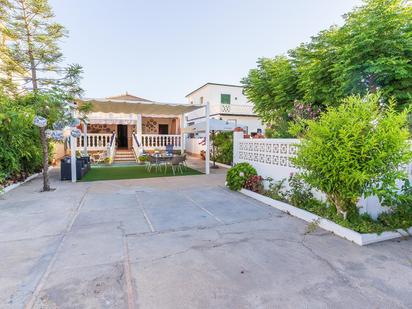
277 190
223 147
355 149
300 195
254 183
237 175
20 150
143 158
400 213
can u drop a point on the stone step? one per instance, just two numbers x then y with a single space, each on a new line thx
124 160
124 155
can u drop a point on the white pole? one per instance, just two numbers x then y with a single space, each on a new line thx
139 129
207 161
85 138
73 157
182 136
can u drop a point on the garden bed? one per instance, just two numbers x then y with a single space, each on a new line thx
351 235
15 185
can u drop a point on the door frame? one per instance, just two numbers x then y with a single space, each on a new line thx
125 139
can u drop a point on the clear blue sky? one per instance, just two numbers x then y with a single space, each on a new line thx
161 50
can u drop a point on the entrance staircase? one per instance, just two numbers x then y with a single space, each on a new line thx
124 156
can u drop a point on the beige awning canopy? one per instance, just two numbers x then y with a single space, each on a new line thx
138 107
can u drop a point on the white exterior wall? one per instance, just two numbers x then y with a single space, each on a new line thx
239 105
194 146
252 123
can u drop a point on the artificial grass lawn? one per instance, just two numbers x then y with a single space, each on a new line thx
132 172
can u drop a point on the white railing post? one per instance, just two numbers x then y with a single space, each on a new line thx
207 155
139 125
182 136
85 138
73 158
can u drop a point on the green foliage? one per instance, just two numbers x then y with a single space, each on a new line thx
30 58
237 175
279 128
31 53
276 190
300 195
143 158
255 184
314 63
222 147
371 52
271 87
355 149
376 50
400 213
20 151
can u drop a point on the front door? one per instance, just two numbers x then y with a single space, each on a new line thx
122 136
163 129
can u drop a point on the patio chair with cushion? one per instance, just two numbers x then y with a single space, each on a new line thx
152 162
176 164
169 149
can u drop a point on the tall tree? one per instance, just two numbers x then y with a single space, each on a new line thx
314 63
376 53
34 56
372 51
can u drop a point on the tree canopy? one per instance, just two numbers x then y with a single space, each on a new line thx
30 61
370 52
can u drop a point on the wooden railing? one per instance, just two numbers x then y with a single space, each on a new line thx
159 141
95 141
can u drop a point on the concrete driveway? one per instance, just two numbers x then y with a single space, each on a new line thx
182 242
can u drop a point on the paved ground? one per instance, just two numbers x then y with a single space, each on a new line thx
182 242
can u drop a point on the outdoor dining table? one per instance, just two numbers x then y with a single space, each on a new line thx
161 158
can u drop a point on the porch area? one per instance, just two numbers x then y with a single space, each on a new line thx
121 129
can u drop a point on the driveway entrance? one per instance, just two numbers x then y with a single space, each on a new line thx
182 242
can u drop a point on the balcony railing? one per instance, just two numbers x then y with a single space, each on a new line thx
238 109
95 141
159 141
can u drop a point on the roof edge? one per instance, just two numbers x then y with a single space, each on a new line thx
213 84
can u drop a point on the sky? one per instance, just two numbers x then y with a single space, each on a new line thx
162 50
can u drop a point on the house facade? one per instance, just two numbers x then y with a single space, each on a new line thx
126 125
227 102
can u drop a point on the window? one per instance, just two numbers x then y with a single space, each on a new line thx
225 98
201 100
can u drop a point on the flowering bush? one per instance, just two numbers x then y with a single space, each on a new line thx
254 183
303 111
238 175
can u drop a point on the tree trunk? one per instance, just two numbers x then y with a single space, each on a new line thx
45 148
33 71
338 203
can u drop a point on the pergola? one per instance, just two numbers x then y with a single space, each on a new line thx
117 106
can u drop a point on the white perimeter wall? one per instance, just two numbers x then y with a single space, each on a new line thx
271 158
193 146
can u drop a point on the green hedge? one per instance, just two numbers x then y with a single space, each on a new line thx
20 150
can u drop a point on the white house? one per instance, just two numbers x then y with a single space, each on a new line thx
227 102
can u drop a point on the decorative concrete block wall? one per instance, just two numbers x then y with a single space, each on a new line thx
271 158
